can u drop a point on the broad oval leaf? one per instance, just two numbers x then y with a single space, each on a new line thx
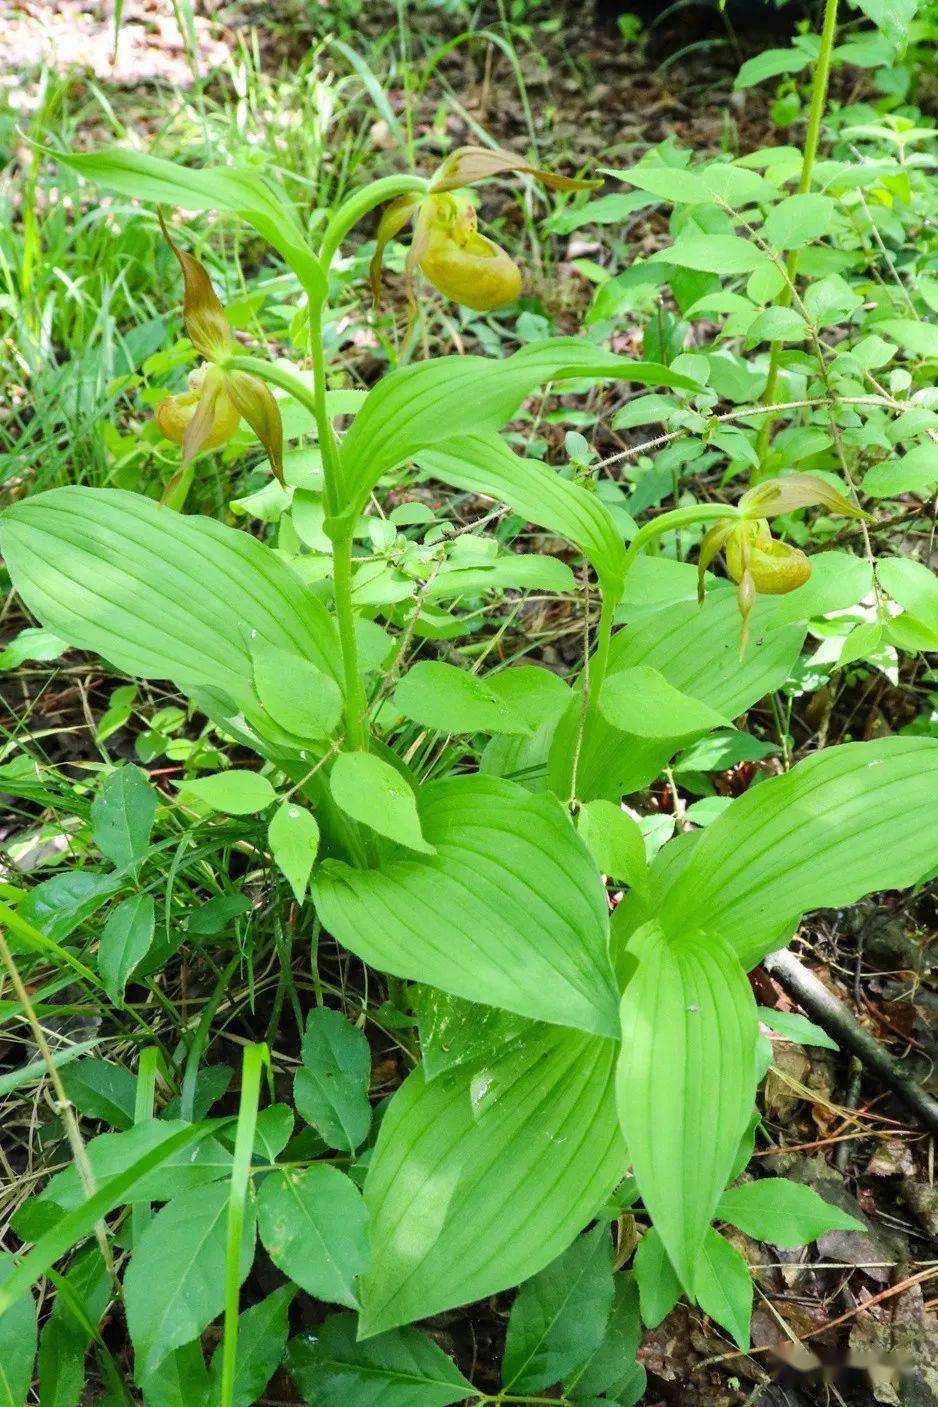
418 407
246 193
160 595
686 1081
723 1286
510 911
482 1176
450 700
331 1086
842 823
125 942
122 815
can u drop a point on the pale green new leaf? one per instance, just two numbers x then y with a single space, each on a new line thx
842 823
450 700
686 1080
482 1176
246 193
313 1226
659 1289
509 911
374 792
638 699
236 792
293 837
723 1286
615 841
696 649
419 407
783 1213
403 1368
299 697
160 595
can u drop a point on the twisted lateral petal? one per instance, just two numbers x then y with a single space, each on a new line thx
254 400
202 313
393 219
468 165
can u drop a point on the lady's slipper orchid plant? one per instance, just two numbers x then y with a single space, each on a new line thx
208 414
447 247
760 564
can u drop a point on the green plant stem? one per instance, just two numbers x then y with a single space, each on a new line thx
676 518
255 1057
598 662
360 204
355 702
819 83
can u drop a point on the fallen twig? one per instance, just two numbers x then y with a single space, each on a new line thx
834 1018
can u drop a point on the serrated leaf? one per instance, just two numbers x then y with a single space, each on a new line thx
293 836
402 1368
482 1176
101 1089
685 1082
509 911
122 815
175 1283
313 1225
783 1213
331 1086
559 1317
842 823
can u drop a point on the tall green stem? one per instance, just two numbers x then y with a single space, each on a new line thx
819 83
359 205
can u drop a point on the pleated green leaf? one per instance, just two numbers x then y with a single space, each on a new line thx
842 823
686 1081
160 595
419 407
246 193
485 1174
509 911
696 650
485 464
